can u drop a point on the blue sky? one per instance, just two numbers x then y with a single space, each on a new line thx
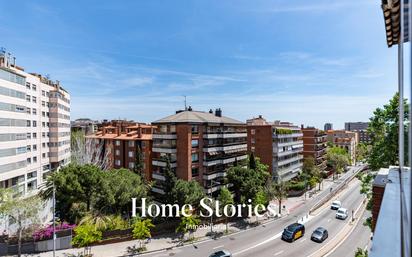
302 61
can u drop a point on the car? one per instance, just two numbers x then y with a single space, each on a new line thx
293 232
221 253
319 235
341 213
335 205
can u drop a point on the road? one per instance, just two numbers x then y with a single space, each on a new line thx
265 240
360 237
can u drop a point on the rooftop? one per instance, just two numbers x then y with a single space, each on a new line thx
188 116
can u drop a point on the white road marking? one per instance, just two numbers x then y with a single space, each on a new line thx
280 252
328 220
303 240
259 244
219 246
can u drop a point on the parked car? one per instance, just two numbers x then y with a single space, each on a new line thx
336 205
221 253
319 235
293 232
341 213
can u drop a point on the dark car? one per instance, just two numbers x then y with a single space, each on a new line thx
221 253
293 232
319 235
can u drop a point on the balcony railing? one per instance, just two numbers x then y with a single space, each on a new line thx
297 142
164 136
241 147
289 160
288 135
212 135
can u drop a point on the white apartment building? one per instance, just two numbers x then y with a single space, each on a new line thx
34 127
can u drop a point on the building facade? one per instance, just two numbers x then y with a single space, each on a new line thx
34 127
200 146
361 128
345 139
278 145
87 126
123 143
328 126
314 145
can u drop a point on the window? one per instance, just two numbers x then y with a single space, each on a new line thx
28 160
43 114
131 143
34 123
28 98
34 87
27 85
28 123
28 110
28 148
252 140
32 174
131 165
195 157
117 152
252 131
43 103
43 155
117 142
117 162
131 154
195 143
34 159
34 135
34 99
43 134
43 145
195 129
195 172
34 111
43 124
28 135
43 93
34 147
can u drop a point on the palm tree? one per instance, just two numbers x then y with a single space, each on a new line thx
98 219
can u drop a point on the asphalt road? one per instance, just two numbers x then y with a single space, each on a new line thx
265 240
360 237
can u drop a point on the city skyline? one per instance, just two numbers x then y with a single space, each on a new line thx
137 60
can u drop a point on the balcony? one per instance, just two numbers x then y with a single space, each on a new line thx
164 150
234 148
292 143
299 150
212 135
210 176
223 160
288 135
292 168
158 176
289 160
164 136
162 163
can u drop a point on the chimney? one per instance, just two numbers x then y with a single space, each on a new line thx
260 117
211 111
190 108
218 112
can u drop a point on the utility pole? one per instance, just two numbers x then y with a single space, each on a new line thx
185 103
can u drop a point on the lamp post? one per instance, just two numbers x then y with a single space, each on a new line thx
54 221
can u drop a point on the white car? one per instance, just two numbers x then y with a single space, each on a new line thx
342 213
336 205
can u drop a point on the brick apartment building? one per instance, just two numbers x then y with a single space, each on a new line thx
314 145
201 146
122 140
345 139
278 145
361 128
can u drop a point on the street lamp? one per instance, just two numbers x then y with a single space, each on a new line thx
210 194
54 220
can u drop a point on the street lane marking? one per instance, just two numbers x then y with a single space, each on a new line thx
259 244
280 252
219 246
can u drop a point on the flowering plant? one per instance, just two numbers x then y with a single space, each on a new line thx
47 232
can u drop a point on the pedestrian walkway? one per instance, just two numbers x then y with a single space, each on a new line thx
171 240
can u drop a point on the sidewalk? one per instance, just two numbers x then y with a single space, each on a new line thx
169 241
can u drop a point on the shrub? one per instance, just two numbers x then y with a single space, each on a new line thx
86 234
47 232
296 186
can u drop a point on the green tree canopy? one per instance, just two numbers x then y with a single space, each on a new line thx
225 198
142 229
384 131
187 192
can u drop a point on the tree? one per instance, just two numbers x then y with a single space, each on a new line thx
139 162
252 162
246 182
188 224
169 183
187 192
87 150
86 234
361 253
225 198
141 230
280 193
259 200
384 131
362 151
338 159
22 211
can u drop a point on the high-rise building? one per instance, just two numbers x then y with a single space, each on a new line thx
347 140
314 145
122 142
328 126
34 126
200 146
361 128
278 145
87 126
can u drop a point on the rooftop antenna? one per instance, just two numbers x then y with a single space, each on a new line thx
185 103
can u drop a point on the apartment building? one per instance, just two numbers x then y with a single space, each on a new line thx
328 126
345 139
121 141
34 126
278 145
361 128
87 126
314 145
200 146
